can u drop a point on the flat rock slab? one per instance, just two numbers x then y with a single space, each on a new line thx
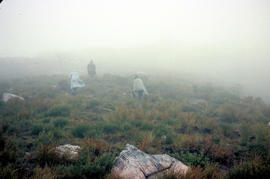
7 96
132 163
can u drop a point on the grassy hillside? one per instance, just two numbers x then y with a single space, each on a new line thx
217 133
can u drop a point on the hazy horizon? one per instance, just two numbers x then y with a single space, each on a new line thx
225 40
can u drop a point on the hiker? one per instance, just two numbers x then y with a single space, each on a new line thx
91 68
75 82
138 88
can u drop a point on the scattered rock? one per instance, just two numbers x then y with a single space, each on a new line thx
106 110
8 96
71 152
269 123
27 155
164 137
135 164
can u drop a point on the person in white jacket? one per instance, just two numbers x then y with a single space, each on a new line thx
75 82
138 88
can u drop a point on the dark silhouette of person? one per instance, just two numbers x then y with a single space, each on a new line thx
91 68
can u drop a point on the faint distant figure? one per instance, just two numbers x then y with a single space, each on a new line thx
91 68
138 88
75 82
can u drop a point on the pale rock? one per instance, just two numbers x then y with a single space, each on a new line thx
71 152
7 96
132 163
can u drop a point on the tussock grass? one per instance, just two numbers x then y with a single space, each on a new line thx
217 138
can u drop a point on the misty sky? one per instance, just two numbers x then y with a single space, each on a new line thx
29 27
226 38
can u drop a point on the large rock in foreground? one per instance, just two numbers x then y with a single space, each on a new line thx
135 164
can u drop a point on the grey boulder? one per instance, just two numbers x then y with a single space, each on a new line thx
132 163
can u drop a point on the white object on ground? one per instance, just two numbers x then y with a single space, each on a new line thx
68 150
8 96
75 81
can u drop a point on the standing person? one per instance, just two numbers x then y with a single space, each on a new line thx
91 68
138 88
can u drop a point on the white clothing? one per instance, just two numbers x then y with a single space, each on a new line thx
75 81
139 86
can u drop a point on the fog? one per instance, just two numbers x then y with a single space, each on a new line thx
225 41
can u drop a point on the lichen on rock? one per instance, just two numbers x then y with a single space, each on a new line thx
71 152
132 163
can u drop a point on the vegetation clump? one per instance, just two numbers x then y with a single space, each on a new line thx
215 132
63 111
60 122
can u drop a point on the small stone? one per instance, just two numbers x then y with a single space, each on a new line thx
71 152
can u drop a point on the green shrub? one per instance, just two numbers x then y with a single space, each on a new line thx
210 171
146 126
262 134
192 159
90 169
36 129
246 132
126 127
8 152
93 104
227 129
45 138
230 113
111 128
44 155
80 131
58 133
1 104
46 121
258 149
250 169
188 108
60 122
160 130
170 139
59 111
